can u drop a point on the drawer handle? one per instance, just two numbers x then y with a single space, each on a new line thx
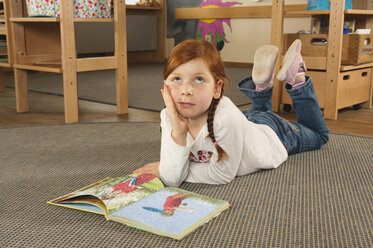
346 77
364 74
366 41
319 41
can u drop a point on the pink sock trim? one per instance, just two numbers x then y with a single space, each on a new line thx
300 78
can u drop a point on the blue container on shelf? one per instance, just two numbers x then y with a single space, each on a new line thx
324 4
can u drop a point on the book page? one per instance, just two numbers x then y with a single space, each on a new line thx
170 212
112 194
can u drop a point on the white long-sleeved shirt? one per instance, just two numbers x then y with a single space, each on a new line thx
250 147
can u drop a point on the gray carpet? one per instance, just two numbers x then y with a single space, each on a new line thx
316 199
144 84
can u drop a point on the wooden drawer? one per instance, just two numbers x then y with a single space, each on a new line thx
354 87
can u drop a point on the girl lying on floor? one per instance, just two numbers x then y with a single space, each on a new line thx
207 139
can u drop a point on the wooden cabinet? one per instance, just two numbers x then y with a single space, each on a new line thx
337 86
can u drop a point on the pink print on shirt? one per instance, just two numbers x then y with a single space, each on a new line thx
202 157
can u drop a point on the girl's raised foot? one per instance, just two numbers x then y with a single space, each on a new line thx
293 69
264 67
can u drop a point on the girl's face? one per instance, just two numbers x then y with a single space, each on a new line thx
192 88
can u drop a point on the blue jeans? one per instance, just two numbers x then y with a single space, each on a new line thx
309 133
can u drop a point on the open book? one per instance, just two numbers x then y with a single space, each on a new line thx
141 201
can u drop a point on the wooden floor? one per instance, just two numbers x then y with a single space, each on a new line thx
48 109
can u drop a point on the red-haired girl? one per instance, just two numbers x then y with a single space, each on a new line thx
207 139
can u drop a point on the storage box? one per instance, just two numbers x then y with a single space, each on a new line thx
82 8
325 4
362 4
356 48
354 87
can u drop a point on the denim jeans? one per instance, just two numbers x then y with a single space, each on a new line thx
309 133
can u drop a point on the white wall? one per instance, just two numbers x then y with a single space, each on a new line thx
248 34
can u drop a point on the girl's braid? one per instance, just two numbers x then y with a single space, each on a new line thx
210 127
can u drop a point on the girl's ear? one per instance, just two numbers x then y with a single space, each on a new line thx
218 87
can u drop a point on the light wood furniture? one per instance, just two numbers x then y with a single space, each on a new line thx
337 86
5 30
159 54
48 44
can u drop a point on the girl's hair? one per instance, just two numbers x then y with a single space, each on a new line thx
200 49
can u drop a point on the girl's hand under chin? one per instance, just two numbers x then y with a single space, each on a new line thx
178 122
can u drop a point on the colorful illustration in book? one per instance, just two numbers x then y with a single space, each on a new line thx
128 186
212 29
116 193
170 210
172 203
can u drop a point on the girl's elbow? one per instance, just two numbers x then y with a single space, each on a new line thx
174 184
170 178
172 181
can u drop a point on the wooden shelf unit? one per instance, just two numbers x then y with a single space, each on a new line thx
47 44
4 30
159 54
329 76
